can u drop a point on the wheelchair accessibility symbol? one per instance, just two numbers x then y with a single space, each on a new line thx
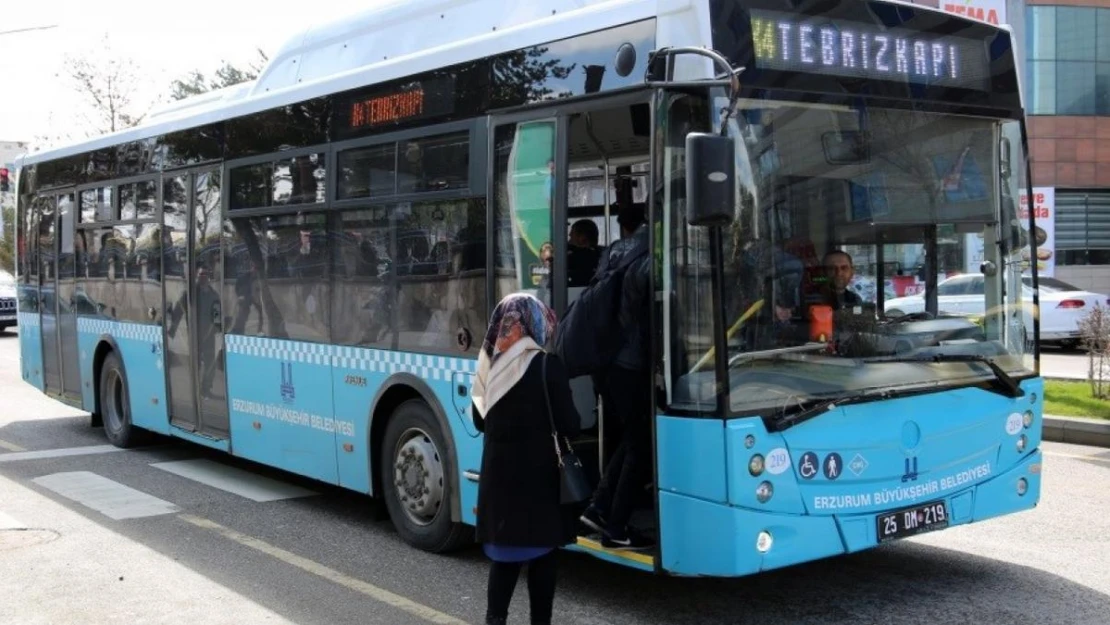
808 466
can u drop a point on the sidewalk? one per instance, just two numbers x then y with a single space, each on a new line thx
61 568
1077 430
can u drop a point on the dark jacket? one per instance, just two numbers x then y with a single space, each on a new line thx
846 299
518 489
582 263
635 300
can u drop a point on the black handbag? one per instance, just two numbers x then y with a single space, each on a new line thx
574 487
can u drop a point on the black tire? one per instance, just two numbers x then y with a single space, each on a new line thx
413 446
115 405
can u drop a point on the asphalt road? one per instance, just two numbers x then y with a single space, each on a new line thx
331 558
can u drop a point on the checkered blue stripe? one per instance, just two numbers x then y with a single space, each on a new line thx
28 320
436 368
95 326
422 366
143 332
279 349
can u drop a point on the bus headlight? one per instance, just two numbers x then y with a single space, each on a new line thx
764 492
755 465
1022 442
1022 486
1027 418
764 541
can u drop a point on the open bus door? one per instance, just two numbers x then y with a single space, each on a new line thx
551 169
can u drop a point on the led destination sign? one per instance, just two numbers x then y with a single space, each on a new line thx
388 109
797 43
391 107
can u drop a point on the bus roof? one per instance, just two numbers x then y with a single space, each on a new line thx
377 45
395 40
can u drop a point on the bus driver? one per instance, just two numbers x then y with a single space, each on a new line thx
838 267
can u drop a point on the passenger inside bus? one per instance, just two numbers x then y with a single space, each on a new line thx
582 252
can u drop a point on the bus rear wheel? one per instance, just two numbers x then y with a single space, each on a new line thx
416 483
115 404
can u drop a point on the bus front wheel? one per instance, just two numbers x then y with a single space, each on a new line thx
416 483
115 404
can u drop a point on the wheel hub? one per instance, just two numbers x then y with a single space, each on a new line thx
418 477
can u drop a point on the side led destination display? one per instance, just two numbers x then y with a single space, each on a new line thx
800 43
389 108
385 108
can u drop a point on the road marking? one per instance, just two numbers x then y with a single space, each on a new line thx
1077 457
10 446
9 523
59 453
106 496
232 480
380 594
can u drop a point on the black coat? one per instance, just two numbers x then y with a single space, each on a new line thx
518 490
635 299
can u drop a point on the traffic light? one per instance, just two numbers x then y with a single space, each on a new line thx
5 185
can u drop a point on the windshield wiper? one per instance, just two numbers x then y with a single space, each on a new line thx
1007 386
776 354
820 407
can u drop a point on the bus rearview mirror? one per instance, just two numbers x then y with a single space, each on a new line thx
710 188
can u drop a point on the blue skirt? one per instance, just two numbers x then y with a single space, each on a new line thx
502 553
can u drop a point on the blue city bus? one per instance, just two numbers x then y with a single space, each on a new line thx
298 271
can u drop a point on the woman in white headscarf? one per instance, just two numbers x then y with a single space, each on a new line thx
520 517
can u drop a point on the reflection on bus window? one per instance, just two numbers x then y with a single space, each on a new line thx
525 181
283 257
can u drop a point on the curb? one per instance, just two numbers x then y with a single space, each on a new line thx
1095 432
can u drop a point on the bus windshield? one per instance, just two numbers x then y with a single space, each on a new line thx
873 249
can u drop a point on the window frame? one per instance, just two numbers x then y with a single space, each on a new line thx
230 166
115 185
477 140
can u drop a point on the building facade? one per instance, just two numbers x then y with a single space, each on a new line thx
1067 88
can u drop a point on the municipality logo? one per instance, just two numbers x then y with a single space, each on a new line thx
288 392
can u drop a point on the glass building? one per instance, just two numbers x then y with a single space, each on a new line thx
1067 87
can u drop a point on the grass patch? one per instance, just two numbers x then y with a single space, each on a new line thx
1073 399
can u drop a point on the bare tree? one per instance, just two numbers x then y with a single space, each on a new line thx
1094 330
109 87
196 83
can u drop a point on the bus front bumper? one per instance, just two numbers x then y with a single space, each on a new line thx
706 538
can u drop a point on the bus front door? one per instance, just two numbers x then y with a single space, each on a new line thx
194 336
525 195
550 169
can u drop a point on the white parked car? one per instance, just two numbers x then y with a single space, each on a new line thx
7 300
1062 304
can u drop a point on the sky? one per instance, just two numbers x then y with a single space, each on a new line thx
166 41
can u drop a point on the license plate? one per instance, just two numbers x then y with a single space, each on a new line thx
919 519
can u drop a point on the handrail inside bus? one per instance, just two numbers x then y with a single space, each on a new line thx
753 309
